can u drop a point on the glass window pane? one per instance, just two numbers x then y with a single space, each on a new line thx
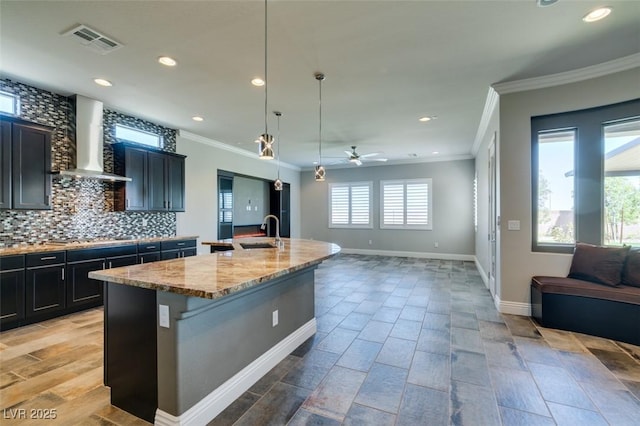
622 183
556 187
136 135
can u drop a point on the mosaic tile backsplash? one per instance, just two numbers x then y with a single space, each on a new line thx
81 208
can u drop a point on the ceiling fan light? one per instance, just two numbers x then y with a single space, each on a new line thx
320 173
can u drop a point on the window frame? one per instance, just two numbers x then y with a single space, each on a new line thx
16 104
349 186
136 130
588 166
404 182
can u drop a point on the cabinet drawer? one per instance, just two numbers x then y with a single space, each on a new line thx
100 253
8 263
176 244
148 247
43 259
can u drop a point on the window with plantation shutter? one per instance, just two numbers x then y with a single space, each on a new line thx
405 204
350 205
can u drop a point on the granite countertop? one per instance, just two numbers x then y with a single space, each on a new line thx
215 275
97 243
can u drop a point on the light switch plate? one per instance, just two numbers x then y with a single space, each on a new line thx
163 313
513 225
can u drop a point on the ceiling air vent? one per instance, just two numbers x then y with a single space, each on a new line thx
93 39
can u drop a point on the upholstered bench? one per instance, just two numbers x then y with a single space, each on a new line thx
601 295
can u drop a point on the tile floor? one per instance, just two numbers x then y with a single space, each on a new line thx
419 342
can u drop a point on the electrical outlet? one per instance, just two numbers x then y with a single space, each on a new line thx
370 242
435 244
163 312
274 318
145 222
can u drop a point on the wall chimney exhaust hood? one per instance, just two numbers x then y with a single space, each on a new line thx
89 142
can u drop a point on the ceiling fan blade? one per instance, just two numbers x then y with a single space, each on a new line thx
349 153
358 162
377 159
371 154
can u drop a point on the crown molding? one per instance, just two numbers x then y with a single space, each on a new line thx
229 148
489 105
573 76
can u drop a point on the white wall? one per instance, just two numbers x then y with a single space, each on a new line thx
452 183
518 263
204 159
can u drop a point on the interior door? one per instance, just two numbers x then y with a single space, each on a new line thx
225 206
493 217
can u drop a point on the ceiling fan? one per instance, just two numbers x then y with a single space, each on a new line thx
358 159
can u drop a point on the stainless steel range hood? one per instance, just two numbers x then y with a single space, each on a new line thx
89 142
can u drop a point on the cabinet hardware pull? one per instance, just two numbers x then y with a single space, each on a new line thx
181 244
169 204
150 247
63 274
126 203
104 266
48 258
141 260
110 265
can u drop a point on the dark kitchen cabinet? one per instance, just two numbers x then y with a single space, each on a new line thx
166 182
26 165
175 249
45 283
5 164
148 252
157 179
82 290
11 290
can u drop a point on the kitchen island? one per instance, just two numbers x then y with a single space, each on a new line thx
186 337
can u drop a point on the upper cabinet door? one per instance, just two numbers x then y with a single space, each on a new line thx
157 189
31 173
175 183
5 164
135 197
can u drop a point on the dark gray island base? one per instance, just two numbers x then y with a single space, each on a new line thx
173 358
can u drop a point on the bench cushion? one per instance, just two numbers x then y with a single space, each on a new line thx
631 271
598 264
575 287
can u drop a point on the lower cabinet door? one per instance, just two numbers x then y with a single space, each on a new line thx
45 290
169 254
154 256
12 296
82 290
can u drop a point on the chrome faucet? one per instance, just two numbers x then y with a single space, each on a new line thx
264 224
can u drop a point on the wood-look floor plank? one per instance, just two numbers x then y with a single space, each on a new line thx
77 410
60 360
82 384
27 389
16 363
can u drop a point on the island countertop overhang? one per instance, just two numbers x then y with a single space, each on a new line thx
216 275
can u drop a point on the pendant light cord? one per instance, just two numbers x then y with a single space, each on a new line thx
320 123
278 114
266 85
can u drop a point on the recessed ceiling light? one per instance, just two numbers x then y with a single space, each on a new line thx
197 118
102 82
257 81
424 119
166 60
597 14
435 152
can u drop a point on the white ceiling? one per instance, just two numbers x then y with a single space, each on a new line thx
387 63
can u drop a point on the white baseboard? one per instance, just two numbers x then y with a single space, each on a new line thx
423 255
513 308
213 404
483 274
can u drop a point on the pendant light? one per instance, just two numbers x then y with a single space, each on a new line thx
265 141
277 185
320 171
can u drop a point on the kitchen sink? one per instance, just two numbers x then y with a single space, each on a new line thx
257 245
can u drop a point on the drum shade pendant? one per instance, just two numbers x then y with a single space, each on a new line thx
265 141
277 185
320 172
